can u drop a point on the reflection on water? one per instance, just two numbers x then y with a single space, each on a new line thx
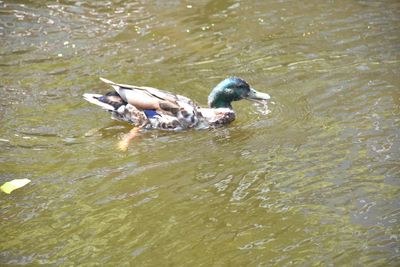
313 182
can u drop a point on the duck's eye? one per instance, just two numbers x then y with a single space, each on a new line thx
229 90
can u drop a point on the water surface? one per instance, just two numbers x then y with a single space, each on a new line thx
314 182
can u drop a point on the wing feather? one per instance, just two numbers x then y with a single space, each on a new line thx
148 97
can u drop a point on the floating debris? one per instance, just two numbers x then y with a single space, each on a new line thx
10 186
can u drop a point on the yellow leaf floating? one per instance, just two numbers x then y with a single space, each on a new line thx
10 186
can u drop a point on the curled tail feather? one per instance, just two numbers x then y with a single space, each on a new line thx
94 99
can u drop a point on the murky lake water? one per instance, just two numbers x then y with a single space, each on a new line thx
314 182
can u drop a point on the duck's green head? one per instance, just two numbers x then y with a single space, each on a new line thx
233 89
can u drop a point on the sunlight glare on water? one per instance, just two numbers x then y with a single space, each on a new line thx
312 179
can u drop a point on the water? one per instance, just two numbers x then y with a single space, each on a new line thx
313 182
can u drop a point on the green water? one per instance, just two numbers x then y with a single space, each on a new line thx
316 182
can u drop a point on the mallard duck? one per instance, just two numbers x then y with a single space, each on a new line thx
151 108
